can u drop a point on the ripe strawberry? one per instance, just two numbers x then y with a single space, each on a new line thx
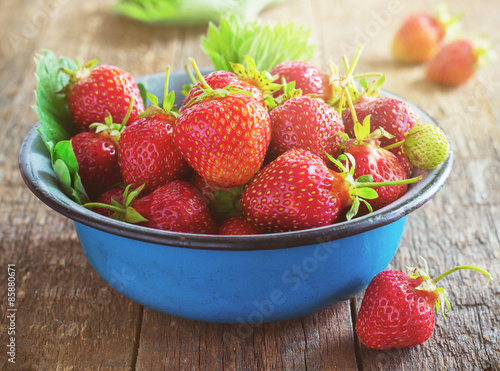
392 115
96 93
96 155
458 61
177 206
420 36
378 163
308 123
224 136
294 192
307 77
237 225
397 309
147 154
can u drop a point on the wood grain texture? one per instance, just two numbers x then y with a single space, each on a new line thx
69 319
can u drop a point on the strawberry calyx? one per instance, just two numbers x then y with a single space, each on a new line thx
482 47
344 88
449 22
428 285
228 203
207 92
361 188
289 92
111 128
263 80
83 70
165 108
363 135
122 211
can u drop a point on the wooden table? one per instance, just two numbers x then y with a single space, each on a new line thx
69 318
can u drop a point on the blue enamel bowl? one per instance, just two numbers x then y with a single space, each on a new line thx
232 279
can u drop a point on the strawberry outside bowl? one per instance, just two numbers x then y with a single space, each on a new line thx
232 279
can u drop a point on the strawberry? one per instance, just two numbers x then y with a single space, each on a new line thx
458 61
421 35
93 94
307 77
96 155
177 206
237 225
298 191
147 154
397 310
294 192
380 164
425 146
223 136
390 114
305 122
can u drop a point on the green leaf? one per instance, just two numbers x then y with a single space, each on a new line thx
267 45
143 92
56 125
186 13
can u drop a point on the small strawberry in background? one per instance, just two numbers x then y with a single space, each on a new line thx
397 310
458 61
422 34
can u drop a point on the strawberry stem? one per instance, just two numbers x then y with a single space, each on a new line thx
199 75
395 182
394 145
442 275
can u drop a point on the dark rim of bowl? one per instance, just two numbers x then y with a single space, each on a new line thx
416 196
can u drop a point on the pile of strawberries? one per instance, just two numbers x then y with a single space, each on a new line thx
248 152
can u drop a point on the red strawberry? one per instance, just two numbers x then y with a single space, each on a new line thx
177 206
457 61
381 164
107 198
392 115
420 36
93 94
308 123
294 192
96 155
237 225
307 77
223 136
397 309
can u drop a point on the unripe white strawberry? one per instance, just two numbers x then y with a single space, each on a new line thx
426 146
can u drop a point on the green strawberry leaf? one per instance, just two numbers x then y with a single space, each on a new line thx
267 45
56 125
186 13
143 92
